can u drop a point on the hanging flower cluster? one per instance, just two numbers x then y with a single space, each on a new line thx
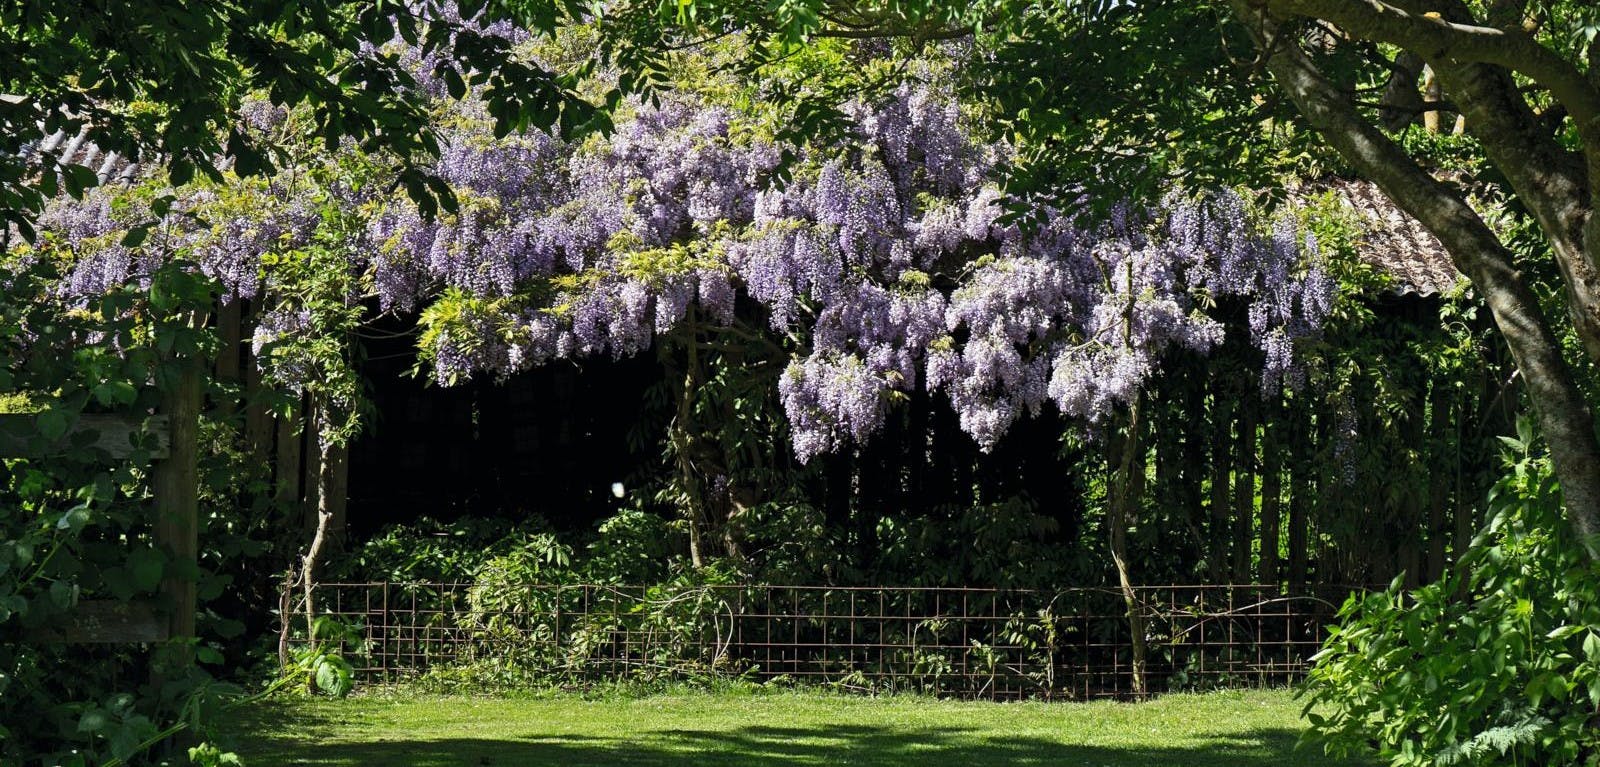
882 266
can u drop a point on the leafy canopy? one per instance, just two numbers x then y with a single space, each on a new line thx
165 82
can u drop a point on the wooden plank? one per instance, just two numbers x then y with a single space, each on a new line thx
338 495
105 621
230 321
258 424
1244 491
310 480
1302 490
1271 490
1439 455
1221 476
286 464
111 432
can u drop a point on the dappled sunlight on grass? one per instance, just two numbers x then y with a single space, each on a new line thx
1237 729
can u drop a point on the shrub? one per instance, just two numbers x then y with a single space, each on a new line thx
631 547
1494 664
426 550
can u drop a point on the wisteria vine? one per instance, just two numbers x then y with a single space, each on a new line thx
880 267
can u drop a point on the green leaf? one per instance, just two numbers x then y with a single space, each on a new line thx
52 424
78 178
453 82
49 183
93 721
136 236
74 518
180 172
115 393
145 567
1562 632
1556 686
63 594
334 676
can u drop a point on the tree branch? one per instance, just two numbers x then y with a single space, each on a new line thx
1441 41
1563 410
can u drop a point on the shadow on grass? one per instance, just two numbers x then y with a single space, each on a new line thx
757 745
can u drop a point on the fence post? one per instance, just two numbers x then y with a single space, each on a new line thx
175 485
556 634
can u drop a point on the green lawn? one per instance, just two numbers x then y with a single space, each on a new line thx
1232 729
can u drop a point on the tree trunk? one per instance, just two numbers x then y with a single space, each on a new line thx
1564 415
1546 179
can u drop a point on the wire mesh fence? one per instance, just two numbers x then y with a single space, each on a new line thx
961 642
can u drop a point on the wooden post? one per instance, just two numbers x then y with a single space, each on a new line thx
257 420
1410 518
175 484
1432 94
1164 447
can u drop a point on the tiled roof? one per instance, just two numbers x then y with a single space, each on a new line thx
1393 240
108 166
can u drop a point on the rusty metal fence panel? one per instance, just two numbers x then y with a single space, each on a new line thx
961 642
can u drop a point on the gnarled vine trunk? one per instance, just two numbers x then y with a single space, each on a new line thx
682 437
1127 486
327 509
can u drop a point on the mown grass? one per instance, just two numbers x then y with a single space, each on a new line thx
1232 729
